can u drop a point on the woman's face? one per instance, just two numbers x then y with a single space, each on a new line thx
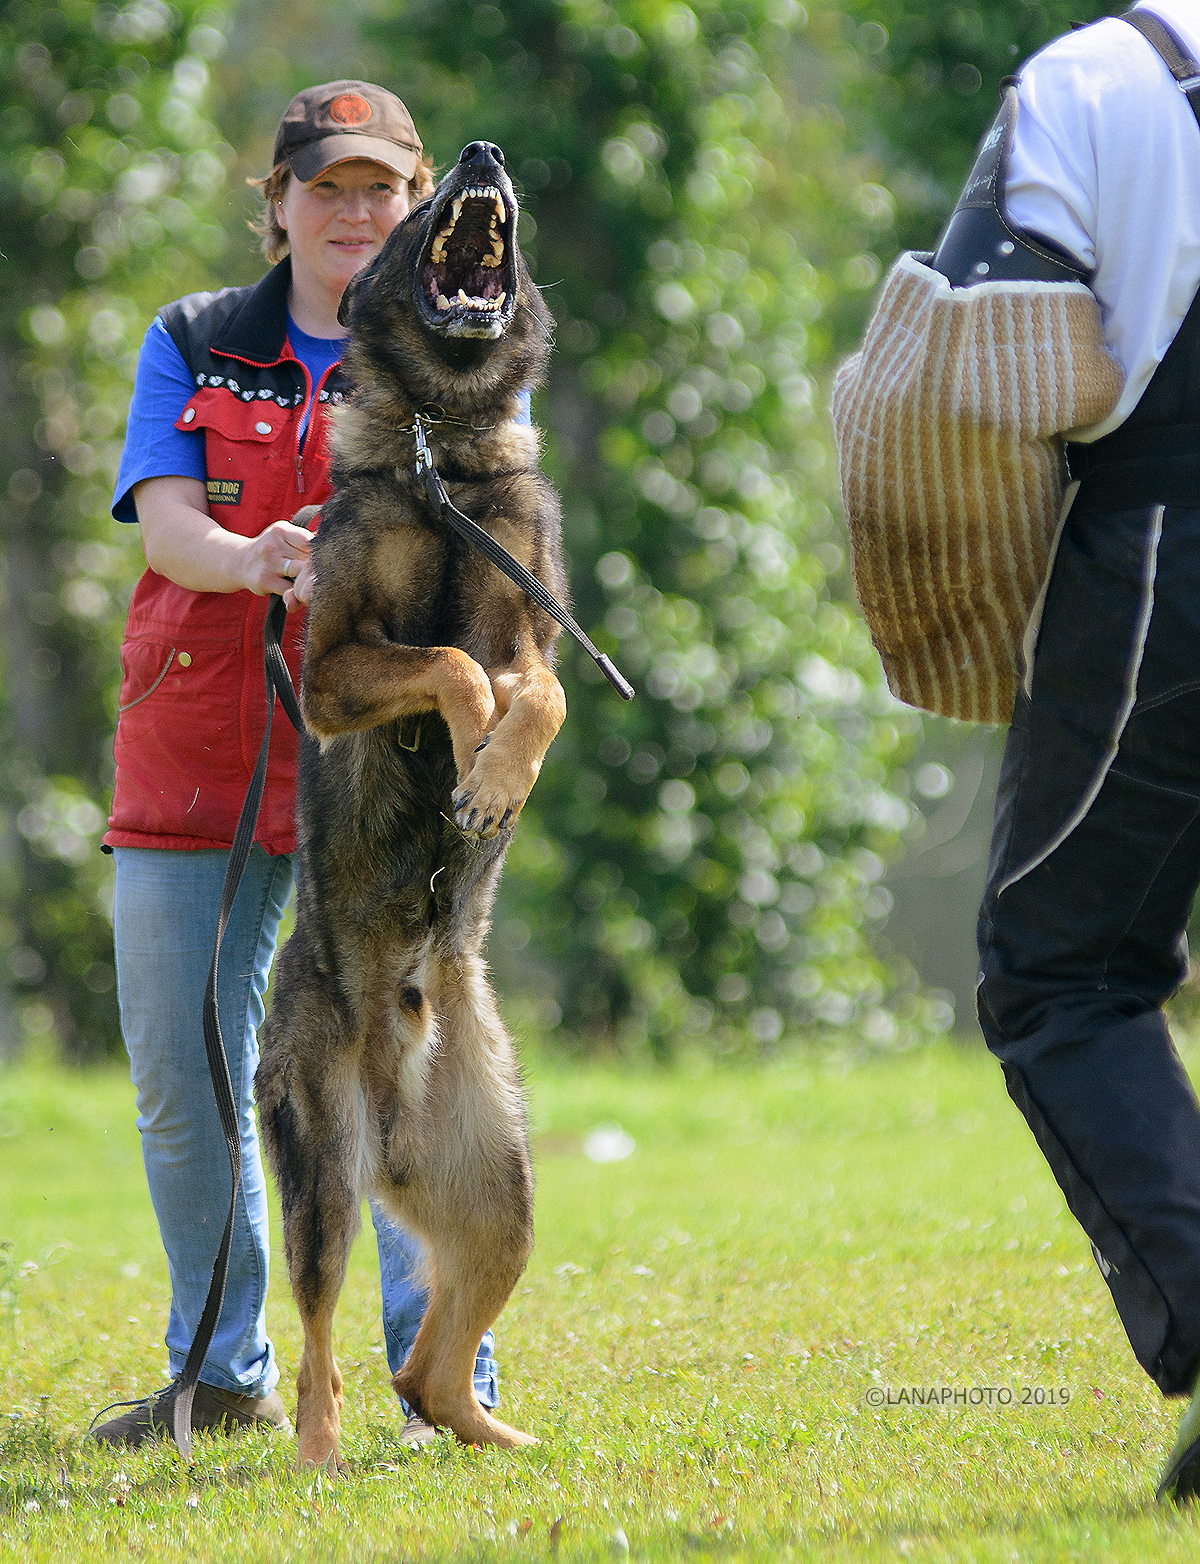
337 222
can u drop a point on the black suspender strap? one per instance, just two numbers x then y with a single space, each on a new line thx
279 682
1170 47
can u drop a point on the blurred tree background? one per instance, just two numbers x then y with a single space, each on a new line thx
709 195
107 173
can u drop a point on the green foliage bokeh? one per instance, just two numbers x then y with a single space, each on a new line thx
703 863
108 169
919 84
709 195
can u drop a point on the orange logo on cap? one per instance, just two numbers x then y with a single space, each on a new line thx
350 109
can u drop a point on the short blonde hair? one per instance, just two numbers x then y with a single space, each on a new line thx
273 186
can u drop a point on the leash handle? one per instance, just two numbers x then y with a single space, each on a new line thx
278 682
474 534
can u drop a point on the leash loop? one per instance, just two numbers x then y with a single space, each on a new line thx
474 534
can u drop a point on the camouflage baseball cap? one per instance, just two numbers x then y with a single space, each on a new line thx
346 119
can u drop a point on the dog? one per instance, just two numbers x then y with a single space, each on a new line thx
430 700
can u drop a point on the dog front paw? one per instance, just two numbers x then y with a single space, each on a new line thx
489 799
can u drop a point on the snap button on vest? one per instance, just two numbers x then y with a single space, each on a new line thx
189 415
262 428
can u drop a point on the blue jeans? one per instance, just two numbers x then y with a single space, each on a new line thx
164 923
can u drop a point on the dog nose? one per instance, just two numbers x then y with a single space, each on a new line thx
484 153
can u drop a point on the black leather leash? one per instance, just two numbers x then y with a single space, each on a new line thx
474 534
279 682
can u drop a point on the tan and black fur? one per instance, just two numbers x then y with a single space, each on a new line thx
430 702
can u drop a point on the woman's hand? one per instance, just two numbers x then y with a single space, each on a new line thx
300 593
275 559
185 544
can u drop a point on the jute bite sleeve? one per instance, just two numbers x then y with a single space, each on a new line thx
949 426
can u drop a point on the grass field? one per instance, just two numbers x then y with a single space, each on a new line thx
700 1342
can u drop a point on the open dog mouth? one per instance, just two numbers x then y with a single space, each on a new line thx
468 275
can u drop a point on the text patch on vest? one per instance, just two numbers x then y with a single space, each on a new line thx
224 491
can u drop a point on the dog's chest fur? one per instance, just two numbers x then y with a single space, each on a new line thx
374 814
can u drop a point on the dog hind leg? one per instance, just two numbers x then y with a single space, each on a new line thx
471 1201
313 1126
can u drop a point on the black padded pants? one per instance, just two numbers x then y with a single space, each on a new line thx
1095 862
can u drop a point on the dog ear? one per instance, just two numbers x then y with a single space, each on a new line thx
350 292
343 315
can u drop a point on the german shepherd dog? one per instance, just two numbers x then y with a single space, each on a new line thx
430 702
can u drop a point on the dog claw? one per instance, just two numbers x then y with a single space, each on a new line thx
472 823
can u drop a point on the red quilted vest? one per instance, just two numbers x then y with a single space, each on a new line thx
193 703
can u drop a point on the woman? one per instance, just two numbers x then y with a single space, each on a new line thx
226 435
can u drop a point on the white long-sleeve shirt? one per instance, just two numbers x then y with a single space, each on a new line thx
1106 162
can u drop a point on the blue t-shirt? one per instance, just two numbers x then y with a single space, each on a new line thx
162 388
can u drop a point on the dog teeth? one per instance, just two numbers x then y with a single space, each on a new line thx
475 303
437 252
483 193
499 214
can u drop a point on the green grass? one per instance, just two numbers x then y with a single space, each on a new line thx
695 1343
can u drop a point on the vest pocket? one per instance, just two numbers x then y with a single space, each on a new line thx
248 449
139 661
180 674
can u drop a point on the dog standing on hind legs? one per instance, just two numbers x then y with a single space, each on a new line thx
428 693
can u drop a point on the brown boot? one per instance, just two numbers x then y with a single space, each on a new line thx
213 1410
